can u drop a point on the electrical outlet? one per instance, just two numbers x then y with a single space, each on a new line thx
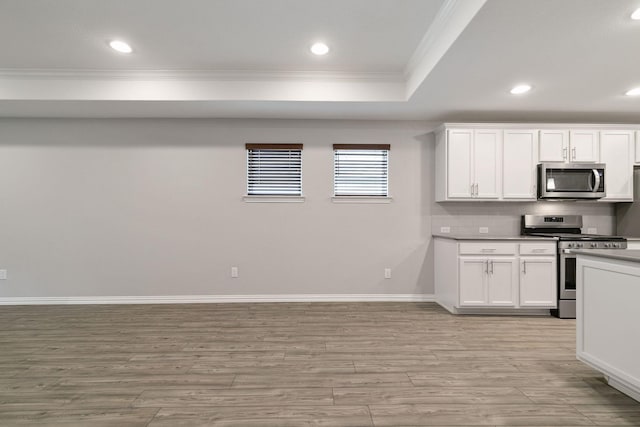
3 274
483 230
387 273
592 230
445 229
234 272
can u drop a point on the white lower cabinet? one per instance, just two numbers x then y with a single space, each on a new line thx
502 282
535 275
492 274
473 281
488 281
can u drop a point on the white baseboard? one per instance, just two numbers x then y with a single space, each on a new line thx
191 299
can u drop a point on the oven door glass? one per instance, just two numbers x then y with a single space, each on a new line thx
568 278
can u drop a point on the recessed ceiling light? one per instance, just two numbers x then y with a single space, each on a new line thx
636 15
520 89
633 92
319 49
120 46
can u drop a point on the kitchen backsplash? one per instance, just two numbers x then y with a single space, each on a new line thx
503 219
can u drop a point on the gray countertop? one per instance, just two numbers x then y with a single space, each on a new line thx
632 255
490 237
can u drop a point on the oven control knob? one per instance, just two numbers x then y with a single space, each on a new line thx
594 245
607 245
569 245
616 245
579 245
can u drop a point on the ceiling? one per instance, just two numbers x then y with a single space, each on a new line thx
434 60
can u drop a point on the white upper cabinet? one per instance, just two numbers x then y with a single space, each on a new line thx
583 146
459 165
519 164
616 152
471 168
486 156
557 145
499 162
638 147
554 146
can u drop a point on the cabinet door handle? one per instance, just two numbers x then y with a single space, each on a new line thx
524 267
472 187
564 153
573 154
486 267
491 266
476 190
488 250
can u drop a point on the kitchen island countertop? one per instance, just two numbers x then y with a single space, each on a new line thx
632 255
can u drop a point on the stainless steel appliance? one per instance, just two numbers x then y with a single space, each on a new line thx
567 230
571 180
628 214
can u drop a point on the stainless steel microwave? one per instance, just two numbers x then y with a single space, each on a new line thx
571 180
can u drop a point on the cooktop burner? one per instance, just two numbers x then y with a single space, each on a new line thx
579 237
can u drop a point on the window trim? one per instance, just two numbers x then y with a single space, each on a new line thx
381 199
272 199
362 199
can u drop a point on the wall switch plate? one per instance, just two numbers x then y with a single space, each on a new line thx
445 229
234 272
483 230
387 273
3 274
592 230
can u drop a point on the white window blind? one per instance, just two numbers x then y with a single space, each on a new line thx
274 169
361 169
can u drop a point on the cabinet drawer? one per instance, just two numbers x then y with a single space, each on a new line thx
487 248
537 249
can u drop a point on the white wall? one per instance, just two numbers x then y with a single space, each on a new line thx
154 207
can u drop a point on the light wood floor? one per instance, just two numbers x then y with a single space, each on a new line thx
343 364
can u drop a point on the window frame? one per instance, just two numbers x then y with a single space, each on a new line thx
361 198
271 197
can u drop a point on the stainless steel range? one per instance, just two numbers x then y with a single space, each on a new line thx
567 229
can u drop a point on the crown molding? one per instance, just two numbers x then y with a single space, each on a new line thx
197 75
450 21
